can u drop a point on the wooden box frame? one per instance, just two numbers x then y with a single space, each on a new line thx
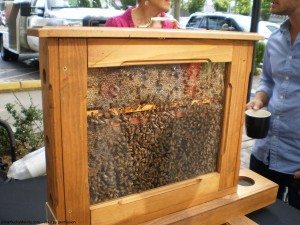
65 56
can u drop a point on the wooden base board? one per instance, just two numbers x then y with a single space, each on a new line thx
219 211
241 220
228 210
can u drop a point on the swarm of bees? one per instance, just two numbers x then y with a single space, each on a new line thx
152 125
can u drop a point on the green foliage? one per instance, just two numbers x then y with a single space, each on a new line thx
195 5
73 3
4 141
259 54
126 3
265 9
221 5
96 4
183 4
243 7
27 122
83 3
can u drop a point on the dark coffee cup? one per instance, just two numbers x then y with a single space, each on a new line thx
257 123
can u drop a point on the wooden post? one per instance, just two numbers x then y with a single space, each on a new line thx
49 72
73 88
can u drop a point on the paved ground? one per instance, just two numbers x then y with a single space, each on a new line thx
26 68
11 73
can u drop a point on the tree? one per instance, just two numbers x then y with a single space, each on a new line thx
221 5
195 5
243 7
176 8
96 4
183 4
265 9
259 54
126 3
83 3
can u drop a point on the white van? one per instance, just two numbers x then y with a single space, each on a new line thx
18 15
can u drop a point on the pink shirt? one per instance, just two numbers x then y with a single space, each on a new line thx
125 20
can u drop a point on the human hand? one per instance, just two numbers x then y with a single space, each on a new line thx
260 100
255 104
176 25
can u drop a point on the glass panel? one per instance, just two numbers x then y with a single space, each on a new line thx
215 23
194 21
103 4
153 125
203 23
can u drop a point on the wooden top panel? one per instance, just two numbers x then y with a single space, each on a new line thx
109 32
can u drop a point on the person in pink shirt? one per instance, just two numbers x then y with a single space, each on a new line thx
141 15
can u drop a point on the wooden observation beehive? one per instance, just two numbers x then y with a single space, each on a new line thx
141 123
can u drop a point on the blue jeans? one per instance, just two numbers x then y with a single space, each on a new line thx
283 180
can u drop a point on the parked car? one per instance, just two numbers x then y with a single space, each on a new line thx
266 28
183 21
226 21
19 15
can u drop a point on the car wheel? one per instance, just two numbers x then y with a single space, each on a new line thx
7 55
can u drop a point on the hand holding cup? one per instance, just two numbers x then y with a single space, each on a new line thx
257 123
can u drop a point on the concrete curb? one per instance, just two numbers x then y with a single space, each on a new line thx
24 85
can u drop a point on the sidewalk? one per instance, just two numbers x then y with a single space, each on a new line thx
19 84
24 98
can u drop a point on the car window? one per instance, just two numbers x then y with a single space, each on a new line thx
203 23
232 25
220 22
215 23
194 21
103 4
